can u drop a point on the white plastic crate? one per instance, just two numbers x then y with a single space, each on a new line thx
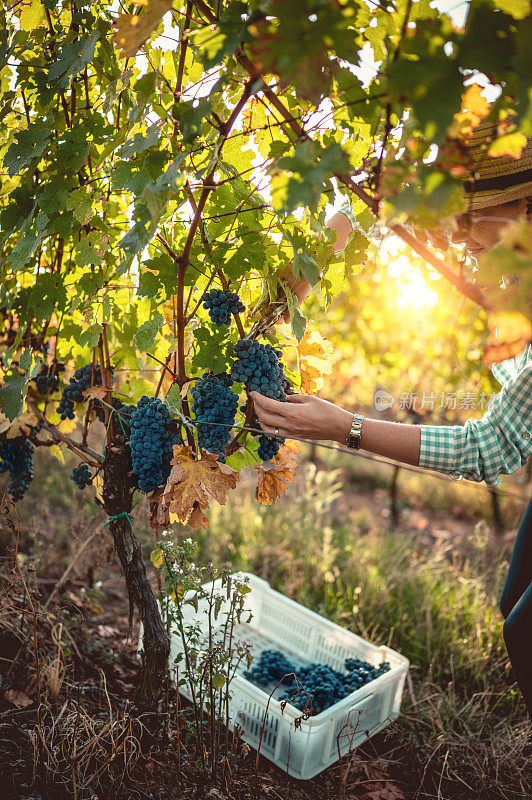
306 748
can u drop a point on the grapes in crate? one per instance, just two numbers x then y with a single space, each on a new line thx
313 686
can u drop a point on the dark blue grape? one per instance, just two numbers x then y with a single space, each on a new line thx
258 366
73 392
269 447
151 442
214 406
272 666
47 381
17 459
221 304
323 685
81 475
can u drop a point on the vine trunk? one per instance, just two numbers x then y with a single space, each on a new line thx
118 500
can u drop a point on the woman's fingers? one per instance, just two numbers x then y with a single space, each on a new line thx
271 421
266 404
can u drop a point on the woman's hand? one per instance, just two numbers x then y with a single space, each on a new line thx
303 416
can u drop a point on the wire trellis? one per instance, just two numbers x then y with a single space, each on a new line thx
378 459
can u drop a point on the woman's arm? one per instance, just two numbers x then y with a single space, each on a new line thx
500 442
310 417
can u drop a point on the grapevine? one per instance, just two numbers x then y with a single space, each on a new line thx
121 412
221 304
215 407
151 443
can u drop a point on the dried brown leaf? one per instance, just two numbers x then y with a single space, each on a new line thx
273 482
18 698
193 483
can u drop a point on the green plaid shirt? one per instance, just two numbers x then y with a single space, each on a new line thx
499 442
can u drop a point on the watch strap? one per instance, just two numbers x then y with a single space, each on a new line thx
354 435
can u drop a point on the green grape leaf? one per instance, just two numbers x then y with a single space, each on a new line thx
209 352
80 202
355 251
30 143
32 234
146 334
139 142
190 117
72 58
91 336
12 395
297 319
304 264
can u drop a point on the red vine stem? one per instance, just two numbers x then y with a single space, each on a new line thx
468 289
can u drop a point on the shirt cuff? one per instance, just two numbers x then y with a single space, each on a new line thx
437 448
347 212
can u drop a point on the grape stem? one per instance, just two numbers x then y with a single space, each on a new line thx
82 450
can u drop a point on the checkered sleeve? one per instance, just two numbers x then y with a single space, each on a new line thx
347 211
482 449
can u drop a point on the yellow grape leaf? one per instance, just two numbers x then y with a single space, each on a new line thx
314 354
32 15
132 30
22 424
193 483
291 445
474 101
56 452
97 482
273 482
474 109
68 425
510 332
509 145
156 558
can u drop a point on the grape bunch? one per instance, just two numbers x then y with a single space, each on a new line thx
272 667
81 475
221 304
73 392
269 447
215 407
47 381
151 443
17 459
323 686
259 368
257 365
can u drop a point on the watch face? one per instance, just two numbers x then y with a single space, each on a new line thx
353 440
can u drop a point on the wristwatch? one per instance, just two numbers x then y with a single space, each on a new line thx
353 437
